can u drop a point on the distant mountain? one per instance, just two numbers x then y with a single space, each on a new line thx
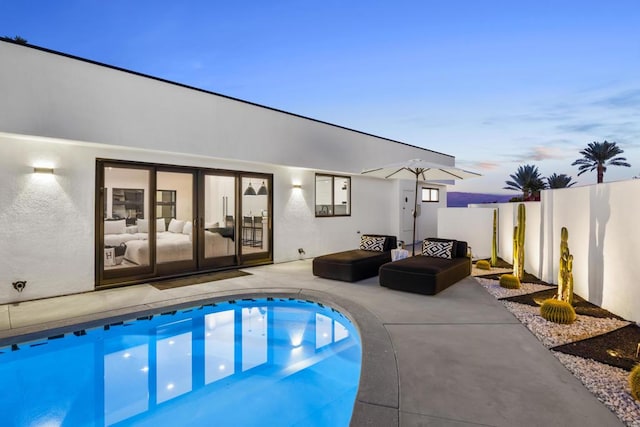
457 199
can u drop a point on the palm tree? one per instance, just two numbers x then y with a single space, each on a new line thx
559 181
599 155
526 179
16 39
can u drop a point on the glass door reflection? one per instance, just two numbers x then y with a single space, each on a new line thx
219 347
173 360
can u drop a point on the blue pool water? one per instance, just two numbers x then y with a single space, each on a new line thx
263 362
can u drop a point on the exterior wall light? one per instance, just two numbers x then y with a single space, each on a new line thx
297 185
43 170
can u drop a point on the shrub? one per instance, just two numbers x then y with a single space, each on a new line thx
509 281
634 382
557 311
483 264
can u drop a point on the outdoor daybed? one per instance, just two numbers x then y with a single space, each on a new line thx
442 263
356 264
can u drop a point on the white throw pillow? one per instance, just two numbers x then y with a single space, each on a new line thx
176 226
143 225
188 228
115 227
160 225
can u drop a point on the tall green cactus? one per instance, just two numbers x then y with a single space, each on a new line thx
565 271
494 242
518 243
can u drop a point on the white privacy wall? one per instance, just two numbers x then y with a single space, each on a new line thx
604 239
474 226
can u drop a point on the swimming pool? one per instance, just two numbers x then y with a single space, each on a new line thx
271 361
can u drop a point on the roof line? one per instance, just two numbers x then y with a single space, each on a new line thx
113 67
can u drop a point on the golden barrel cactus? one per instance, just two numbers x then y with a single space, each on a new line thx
483 264
509 281
634 382
557 311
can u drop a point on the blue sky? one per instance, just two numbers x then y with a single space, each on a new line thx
495 83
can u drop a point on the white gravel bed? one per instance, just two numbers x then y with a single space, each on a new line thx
494 288
475 271
608 384
552 334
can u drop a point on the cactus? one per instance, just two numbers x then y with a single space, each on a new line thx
518 243
557 311
509 281
634 382
494 241
483 264
565 272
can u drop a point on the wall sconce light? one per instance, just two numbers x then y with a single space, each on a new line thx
297 185
43 170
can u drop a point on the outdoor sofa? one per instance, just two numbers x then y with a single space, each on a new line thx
356 264
442 263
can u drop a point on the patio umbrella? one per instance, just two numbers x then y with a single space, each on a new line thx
420 170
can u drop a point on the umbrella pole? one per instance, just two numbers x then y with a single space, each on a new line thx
415 214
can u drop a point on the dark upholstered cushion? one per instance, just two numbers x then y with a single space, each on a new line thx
423 264
354 265
426 275
350 266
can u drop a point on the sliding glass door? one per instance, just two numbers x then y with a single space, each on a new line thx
256 220
175 213
161 221
123 221
219 219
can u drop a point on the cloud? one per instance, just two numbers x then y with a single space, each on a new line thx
625 99
484 165
580 127
543 153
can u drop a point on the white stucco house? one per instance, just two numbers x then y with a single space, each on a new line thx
110 177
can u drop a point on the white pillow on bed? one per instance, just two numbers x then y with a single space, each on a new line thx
115 227
143 225
176 226
160 225
188 228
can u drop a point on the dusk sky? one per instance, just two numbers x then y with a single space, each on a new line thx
496 84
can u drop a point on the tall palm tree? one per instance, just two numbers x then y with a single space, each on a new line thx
526 179
599 155
559 181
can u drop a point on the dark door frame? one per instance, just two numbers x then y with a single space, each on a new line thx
155 271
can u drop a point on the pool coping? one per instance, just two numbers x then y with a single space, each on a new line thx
377 400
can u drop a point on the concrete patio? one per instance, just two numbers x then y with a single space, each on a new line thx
455 359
